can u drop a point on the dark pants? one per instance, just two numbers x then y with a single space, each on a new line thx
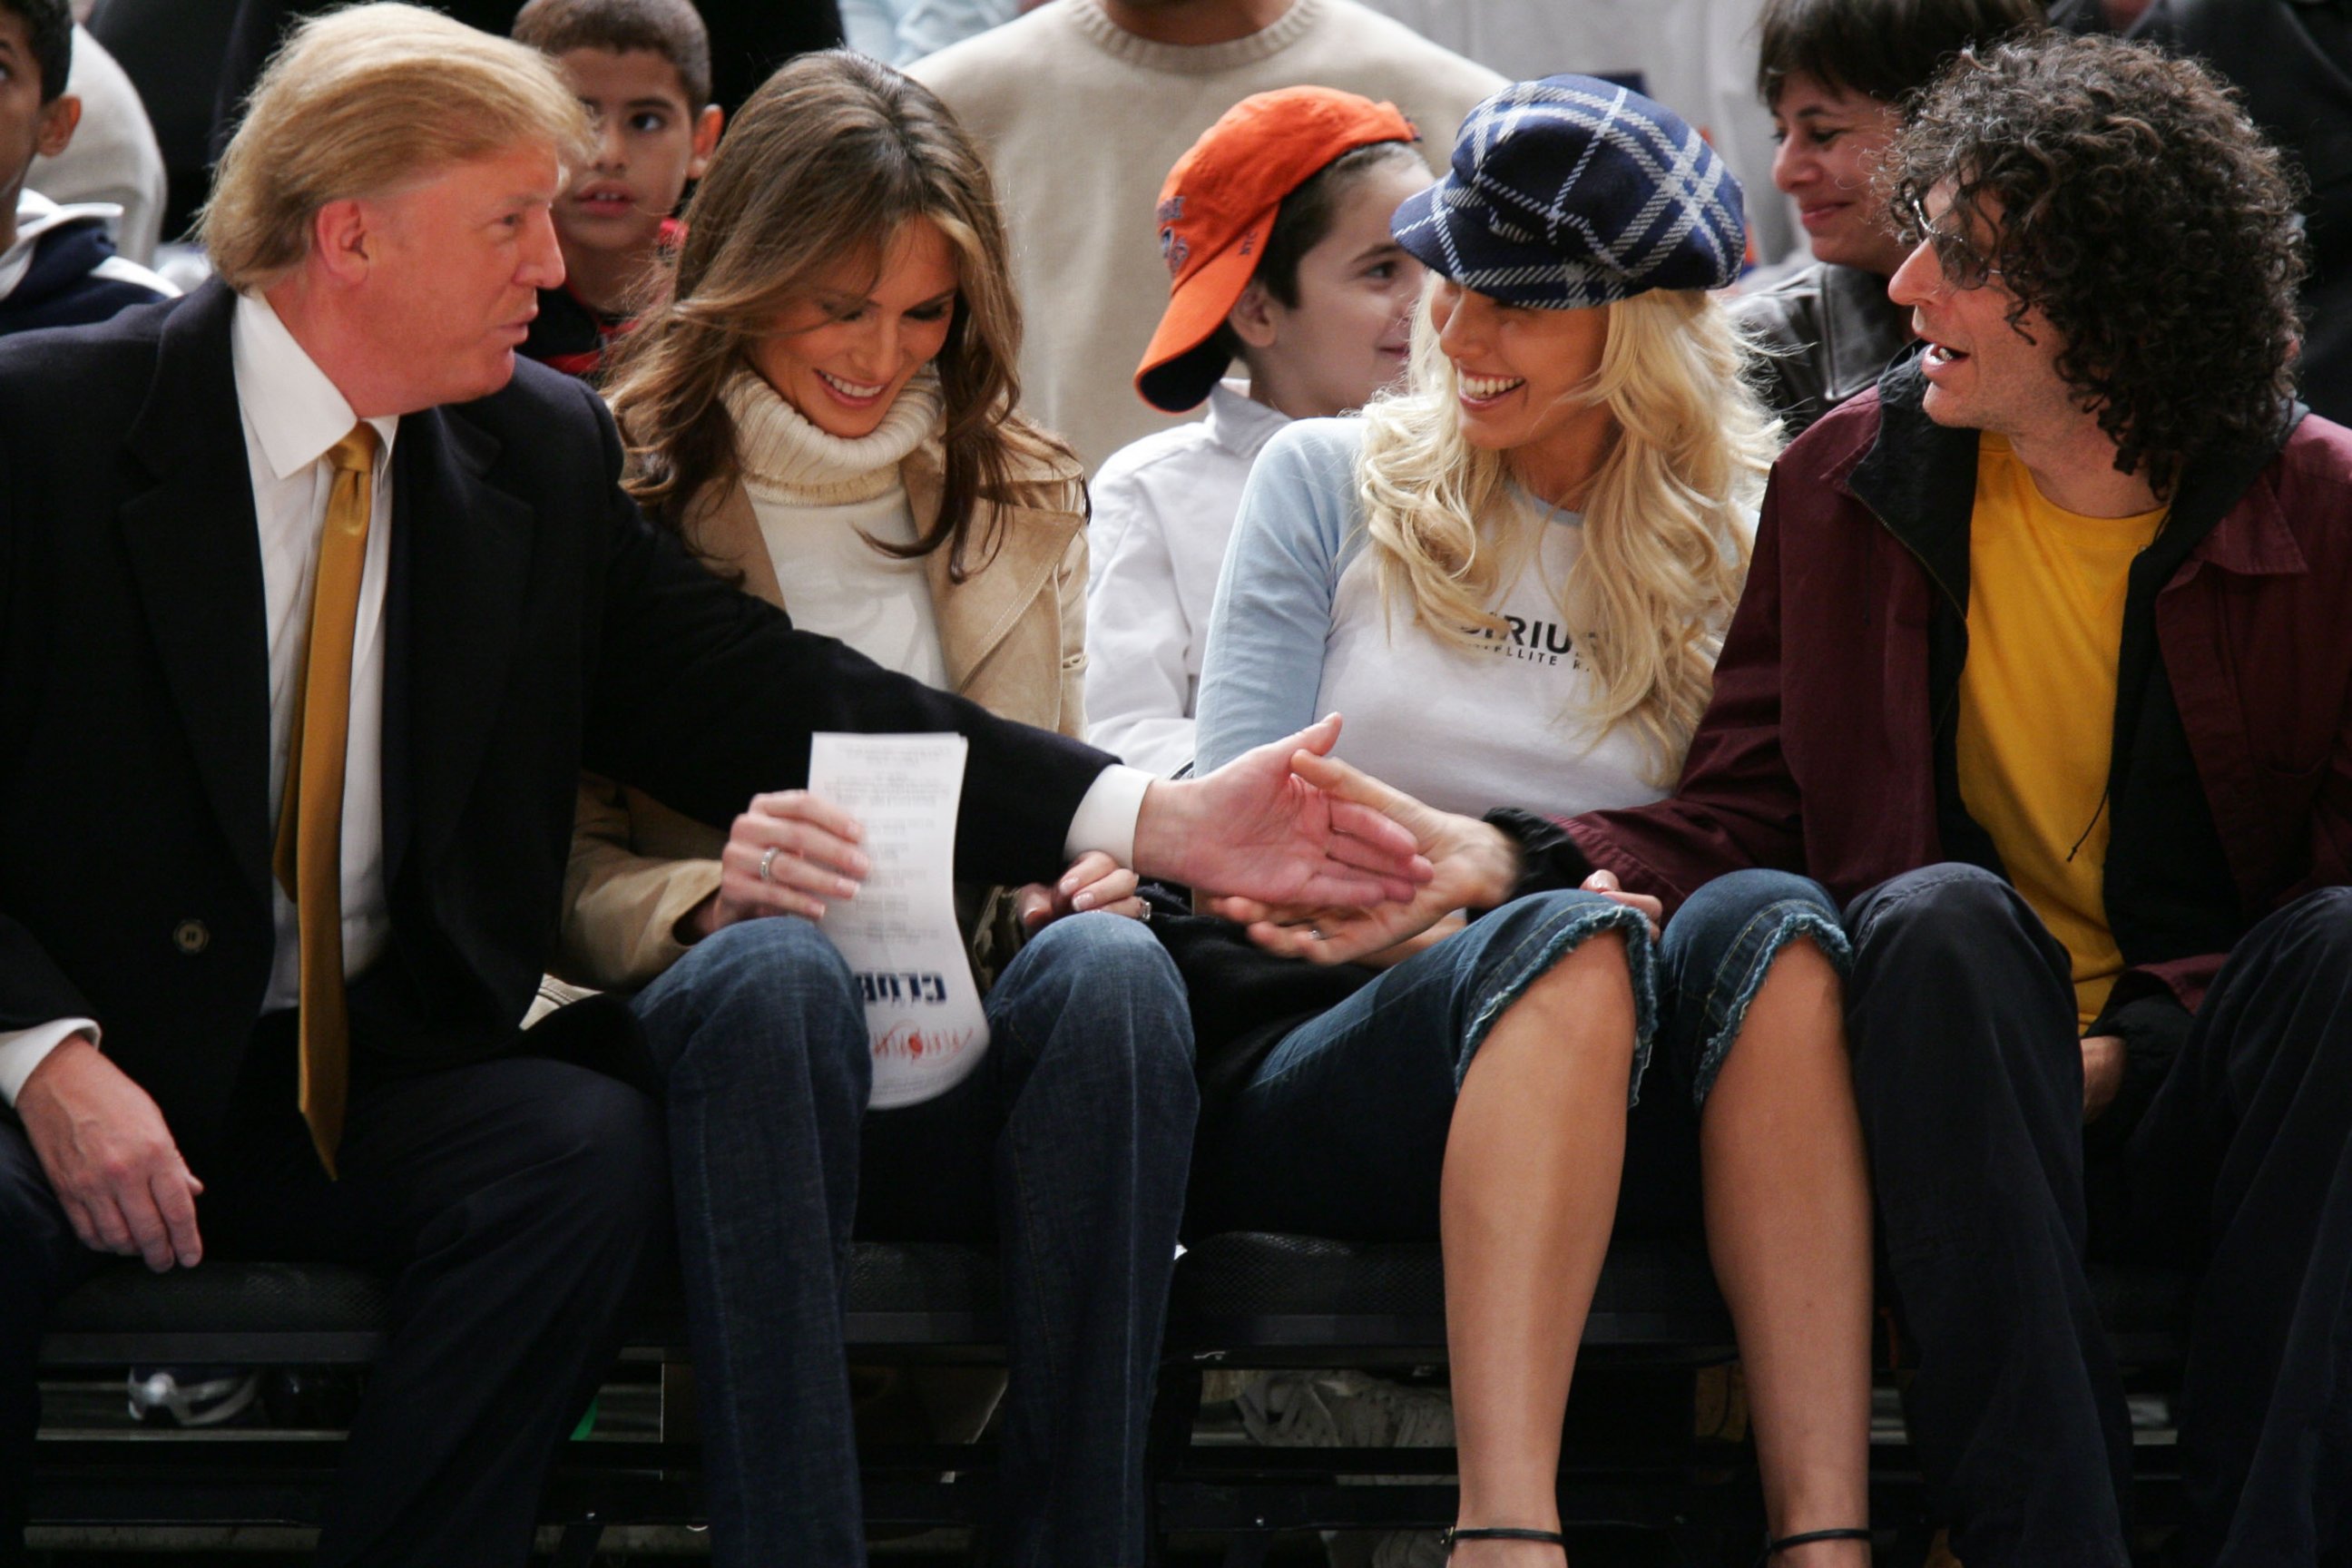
514 1203
1067 1146
1969 1070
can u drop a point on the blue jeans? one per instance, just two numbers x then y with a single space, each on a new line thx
1715 955
1342 1130
1067 1146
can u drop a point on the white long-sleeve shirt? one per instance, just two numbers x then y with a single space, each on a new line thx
1301 628
1163 511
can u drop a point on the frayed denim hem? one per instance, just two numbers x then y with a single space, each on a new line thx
1555 944
1789 921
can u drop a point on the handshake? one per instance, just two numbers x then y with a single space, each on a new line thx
1471 865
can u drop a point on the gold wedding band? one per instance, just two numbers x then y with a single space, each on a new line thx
768 863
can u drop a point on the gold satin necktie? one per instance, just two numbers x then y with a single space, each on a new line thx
308 859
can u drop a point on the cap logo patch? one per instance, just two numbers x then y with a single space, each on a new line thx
1171 210
1173 251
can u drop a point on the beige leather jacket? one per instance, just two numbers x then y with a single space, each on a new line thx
1011 635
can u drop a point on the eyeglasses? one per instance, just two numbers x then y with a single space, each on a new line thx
1964 266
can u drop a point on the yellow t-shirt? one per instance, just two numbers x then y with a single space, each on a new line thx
2046 592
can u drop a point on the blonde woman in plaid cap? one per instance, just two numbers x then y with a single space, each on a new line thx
1514 578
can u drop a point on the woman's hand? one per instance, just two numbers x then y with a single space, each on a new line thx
1093 881
1390 956
1259 827
808 849
1475 868
1605 883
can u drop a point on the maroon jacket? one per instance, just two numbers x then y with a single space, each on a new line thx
1827 749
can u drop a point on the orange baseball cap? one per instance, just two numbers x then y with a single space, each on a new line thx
1218 207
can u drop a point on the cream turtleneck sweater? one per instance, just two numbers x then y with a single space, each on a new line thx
821 498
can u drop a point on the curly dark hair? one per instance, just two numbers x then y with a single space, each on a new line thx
2131 201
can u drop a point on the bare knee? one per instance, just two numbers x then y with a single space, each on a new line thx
1801 986
1594 972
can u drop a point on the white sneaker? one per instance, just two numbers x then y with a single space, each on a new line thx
1409 1549
1353 1410
191 1396
1343 1410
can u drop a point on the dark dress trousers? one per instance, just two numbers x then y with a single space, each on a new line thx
536 625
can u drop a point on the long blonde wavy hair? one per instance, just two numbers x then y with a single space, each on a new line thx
1667 516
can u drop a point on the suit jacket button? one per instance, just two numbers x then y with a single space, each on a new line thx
191 937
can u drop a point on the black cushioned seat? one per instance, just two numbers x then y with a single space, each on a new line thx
1251 1290
220 1312
901 1294
1241 1291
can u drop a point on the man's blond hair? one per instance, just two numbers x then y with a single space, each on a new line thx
360 100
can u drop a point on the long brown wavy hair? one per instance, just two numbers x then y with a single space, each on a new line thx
827 159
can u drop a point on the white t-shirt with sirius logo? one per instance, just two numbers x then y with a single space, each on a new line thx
1301 628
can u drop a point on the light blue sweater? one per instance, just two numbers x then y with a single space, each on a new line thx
1300 627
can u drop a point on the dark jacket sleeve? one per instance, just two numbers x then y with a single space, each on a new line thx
703 696
1736 805
33 990
2329 841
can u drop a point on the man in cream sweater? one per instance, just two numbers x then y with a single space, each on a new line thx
1082 106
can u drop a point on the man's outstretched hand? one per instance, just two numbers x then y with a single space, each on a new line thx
1257 829
1472 866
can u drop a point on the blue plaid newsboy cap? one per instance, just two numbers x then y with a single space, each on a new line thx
1573 192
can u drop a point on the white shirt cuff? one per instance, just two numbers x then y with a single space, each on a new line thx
22 1050
1106 818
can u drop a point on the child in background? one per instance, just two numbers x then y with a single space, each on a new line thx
641 67
58 266
1275 226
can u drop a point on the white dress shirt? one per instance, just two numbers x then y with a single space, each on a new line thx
292 414
1164 509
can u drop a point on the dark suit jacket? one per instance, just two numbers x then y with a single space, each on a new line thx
537 625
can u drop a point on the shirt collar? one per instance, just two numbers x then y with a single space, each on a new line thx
296 413
33 210
1238 423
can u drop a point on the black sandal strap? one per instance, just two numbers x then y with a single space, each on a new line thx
1774 1547
1448 1536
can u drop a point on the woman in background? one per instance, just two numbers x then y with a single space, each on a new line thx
1834 73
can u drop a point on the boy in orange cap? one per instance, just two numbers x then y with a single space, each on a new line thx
1274 228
